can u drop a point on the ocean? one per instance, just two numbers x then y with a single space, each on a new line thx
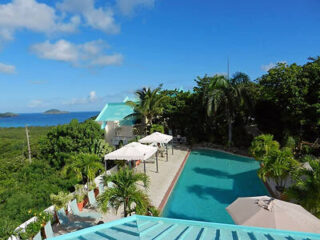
40 119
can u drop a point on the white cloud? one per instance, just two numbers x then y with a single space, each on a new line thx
88 54
115 59
34 16
91 98
127 7
271 65
268 66
96 17
36 103
61 50
8 69
65 16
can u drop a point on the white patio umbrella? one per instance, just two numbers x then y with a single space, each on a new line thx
132 152
157 137
264 211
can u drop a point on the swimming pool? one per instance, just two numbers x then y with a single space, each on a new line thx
209 182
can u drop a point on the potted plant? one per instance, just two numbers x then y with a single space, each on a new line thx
80 195
61 200
93 186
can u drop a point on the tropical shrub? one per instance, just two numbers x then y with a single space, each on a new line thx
80 192
262 146
278 165
306 190
291 143
73 138
7 228
61 199
125 192
83 167
156 128
153 211
30 231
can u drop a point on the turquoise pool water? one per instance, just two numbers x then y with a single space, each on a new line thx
209 182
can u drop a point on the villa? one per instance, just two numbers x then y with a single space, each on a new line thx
116 126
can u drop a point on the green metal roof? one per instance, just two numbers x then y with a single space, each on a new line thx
145 227
116 112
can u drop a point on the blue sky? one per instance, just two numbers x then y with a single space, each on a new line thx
77 55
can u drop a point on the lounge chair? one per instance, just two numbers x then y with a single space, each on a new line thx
76 212
37 236
48 230
62 217
92 199
101 188
65 221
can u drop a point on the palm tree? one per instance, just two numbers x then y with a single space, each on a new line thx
277 165
83 167
125 192
306 190
148 106
262 145
226 95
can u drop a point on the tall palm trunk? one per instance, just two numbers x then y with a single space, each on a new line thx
230 120
125 204
230 132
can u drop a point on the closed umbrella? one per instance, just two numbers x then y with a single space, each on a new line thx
265 211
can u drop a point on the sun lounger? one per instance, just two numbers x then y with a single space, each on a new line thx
92 199
37 236
48 230
76 212
101 188
65 221
62 217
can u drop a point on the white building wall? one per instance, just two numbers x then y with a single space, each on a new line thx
113 130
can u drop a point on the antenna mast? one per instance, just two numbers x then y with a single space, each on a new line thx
28 143
228 68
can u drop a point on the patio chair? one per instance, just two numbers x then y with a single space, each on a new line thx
92 200
48 230
65 221
37 236
76 212
62 217
101 188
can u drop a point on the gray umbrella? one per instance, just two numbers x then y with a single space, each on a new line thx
264 211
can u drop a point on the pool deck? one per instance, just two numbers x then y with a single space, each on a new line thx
161 183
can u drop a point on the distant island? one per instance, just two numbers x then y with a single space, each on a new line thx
8 114
55 111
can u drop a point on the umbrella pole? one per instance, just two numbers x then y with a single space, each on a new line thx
167 152
157 162
105 165
144 167
172 147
